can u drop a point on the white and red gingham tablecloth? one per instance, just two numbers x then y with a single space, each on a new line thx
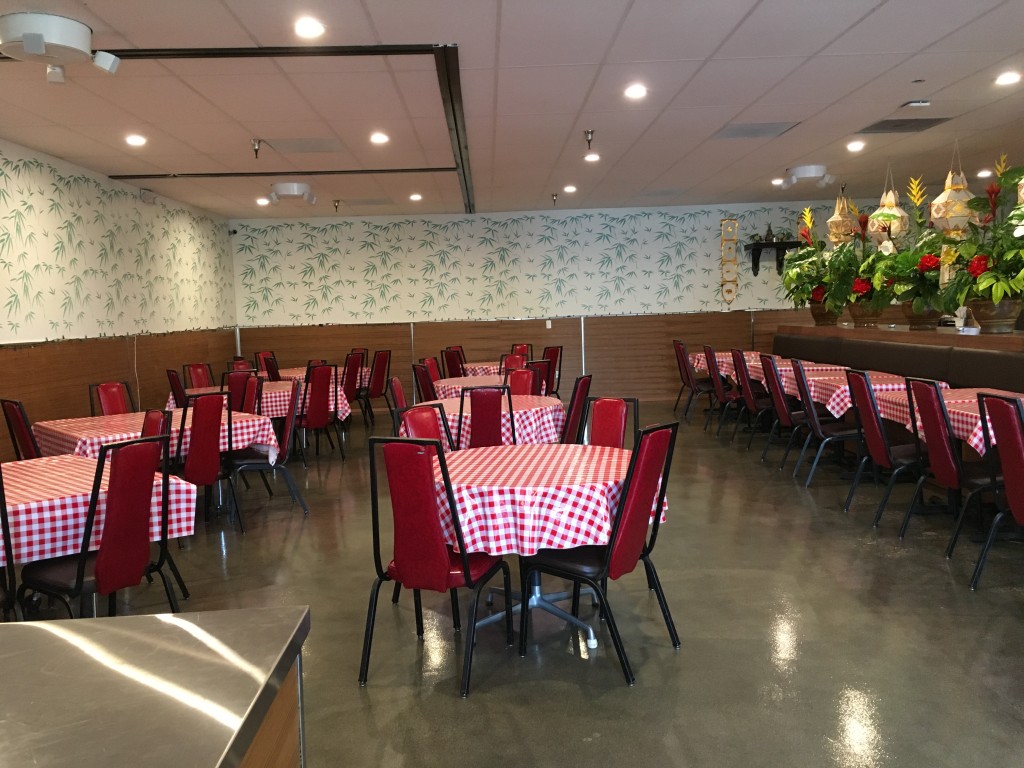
537 419
275 399
517 499
488 368
300 373
449 388
726 367
48 500
83 437
832 389
961 404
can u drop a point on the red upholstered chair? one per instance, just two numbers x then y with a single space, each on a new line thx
554 357
112 397
944 467
524 350
239 364
252 395
485 404
825 433
273 372
607 420
512 362
572 429
123 556
422 559
316 413
233 384
397 401
252 460
202 464
197 375
521 381
310 364
156 422
724 399
1006 416
427 421
631 540
462 353
432 368
424 384
756 404
699 385
364 351
541 373
895 459
9 575
377 386
22 437
177 389
261 359
452 360
786 415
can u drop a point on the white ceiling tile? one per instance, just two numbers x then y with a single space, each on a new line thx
473 26
420 93
662 78
542 33
735 81
669 29
536 90
825 79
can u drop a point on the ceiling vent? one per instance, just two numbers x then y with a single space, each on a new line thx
55 41
904 125
291 189
753 130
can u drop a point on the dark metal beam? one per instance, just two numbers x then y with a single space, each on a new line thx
446 61
264 174
411 49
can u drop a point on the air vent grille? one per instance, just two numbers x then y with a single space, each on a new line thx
904 125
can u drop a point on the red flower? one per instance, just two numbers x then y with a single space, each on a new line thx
889 282
978 265
818 294
861 286
863 221
993 190
805 235
928 263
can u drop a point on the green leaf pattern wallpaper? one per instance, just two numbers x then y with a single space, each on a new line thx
499 266
83 256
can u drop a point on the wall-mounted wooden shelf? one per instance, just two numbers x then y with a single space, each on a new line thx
779 246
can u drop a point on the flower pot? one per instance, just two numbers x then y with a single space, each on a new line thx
921 321
995 318
864 315
823 315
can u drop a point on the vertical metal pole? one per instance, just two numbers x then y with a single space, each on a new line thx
238 342
412 356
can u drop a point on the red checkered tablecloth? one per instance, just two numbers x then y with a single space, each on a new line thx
489 368
831 388
518 499
726 367
300 373
537 419
275 399
83 437
48 499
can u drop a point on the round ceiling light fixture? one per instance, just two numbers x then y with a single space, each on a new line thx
291 189
570 188
135 140
415 197
307 27
1008 78
818 173
55 41
636 91
855 146
379 138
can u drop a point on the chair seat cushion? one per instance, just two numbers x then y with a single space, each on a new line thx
586 561
839 431
904 455
58 574
245 457
479 564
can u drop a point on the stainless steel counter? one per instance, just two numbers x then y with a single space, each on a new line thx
163 690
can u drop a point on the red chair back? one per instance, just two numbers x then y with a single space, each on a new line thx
202 464
554 357
124 554
513 362
716 376
526 350
273 372
681 361
462 353
177 390
252 396
114 398
233 383
485 404
352 373
869 419
290 419
424 384
22 437
540 370
739 362
1006 417
452 362
521 381
397 393
427 422
573 428
317 399
925 397
773 382
379 373
198 375
261 359
645 484
608 422
431 365
156 422
806 401
239 364
687 365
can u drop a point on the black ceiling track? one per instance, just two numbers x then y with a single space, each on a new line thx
446 62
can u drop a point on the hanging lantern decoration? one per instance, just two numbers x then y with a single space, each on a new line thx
888 221
842 223
950 210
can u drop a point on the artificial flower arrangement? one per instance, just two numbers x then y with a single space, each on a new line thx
805 273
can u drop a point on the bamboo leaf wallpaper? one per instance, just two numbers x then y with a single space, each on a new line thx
498 266
83 256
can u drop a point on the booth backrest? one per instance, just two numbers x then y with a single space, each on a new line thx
986 368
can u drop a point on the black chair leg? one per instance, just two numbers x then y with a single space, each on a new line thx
524 613
793 437
686 408
177 576
803 452
817 458
234 500
396 592
771 436
266 483
371 613
652 577
456 617
169 591
997 521
678 398
613 630
888 492
418 605
959 523
918 492
855 483
293 489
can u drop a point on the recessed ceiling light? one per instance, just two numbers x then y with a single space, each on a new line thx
778 182
308 27
262 201
1008 78
569 188
135 139
855 146
984 173
379 138
591 157
636 91
415 197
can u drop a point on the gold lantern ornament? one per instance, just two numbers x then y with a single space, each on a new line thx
842 223
889 220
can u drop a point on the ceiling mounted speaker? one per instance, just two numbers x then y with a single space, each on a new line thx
52 40
291 189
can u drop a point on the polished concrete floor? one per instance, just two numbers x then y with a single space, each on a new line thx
808 638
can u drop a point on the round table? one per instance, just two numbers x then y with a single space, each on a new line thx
537 419
449 388
487 368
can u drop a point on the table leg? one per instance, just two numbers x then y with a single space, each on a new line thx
546 603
